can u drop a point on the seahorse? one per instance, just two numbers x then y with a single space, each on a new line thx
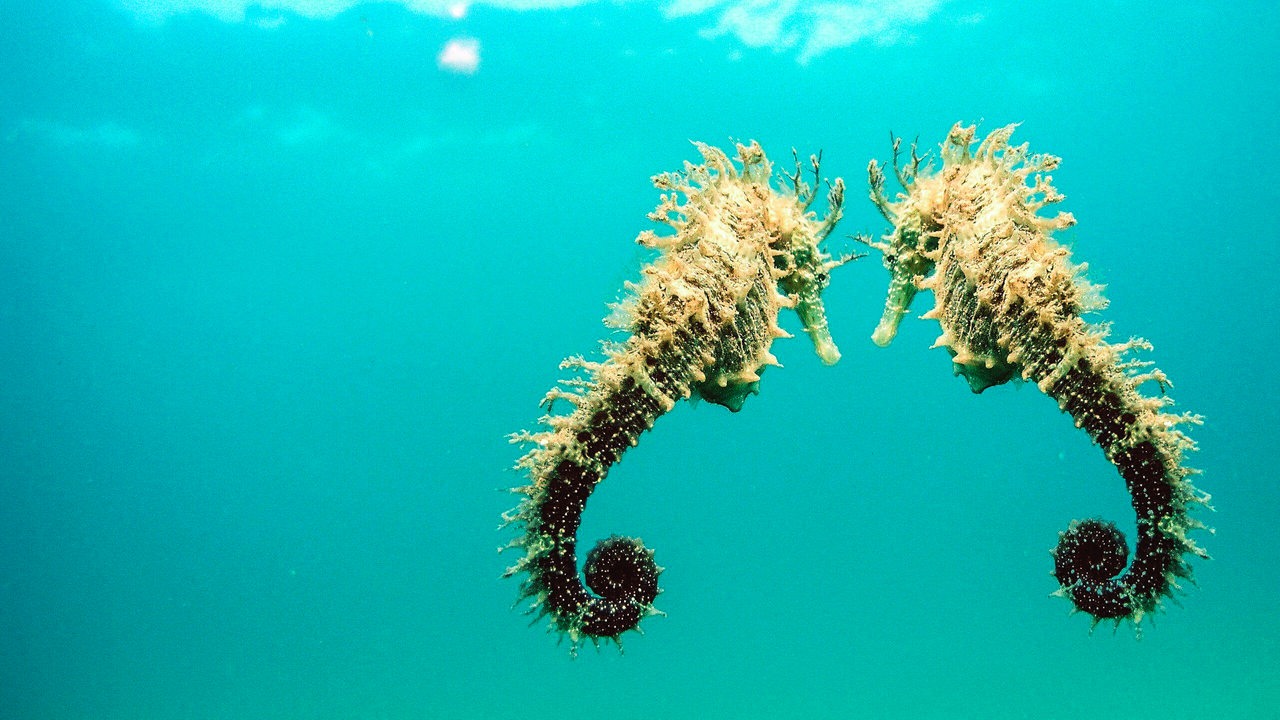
1010 302
701 322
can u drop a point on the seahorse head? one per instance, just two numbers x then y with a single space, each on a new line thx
800 265
908 253
803 272
736 211
991 189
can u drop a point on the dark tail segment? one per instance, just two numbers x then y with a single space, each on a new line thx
1091 554
620 572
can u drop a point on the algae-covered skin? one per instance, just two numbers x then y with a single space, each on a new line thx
1010 303
701 321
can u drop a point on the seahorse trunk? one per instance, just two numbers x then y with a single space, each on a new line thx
1010 303
701 323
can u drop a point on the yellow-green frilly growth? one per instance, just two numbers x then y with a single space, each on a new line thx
700 322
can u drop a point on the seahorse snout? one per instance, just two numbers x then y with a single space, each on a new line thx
814 317
902 290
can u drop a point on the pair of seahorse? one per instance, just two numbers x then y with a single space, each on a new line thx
705 313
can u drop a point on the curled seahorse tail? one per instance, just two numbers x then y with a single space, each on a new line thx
621 570
1091 555
566 466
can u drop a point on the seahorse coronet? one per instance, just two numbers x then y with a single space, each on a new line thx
1010 303
700 321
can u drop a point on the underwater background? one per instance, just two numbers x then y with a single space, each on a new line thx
278 278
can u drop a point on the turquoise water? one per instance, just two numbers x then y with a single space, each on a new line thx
276 285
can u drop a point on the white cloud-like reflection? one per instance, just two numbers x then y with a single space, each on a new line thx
807 28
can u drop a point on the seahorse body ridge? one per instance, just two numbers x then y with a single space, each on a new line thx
1010 303
701 321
